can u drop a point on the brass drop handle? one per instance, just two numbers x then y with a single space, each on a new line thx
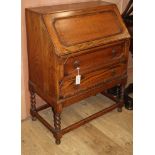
76 64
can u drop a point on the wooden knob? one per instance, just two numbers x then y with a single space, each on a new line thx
76 63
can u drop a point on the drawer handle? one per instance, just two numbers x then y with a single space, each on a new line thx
76 64
113 72
113 52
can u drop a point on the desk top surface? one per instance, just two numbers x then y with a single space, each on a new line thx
67 7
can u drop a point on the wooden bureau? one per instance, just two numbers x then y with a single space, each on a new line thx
75 51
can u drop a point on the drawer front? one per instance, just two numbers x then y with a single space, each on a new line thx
92 79
94 59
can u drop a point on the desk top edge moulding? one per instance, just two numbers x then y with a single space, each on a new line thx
63 41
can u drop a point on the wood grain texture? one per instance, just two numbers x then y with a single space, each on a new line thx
101 24
46 66
91 28
41 57
110 134
92 79
68 7
49 57
102 56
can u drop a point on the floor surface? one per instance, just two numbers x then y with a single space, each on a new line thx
110 134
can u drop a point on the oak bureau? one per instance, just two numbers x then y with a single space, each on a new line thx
75 51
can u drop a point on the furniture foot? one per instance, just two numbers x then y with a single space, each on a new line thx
118 92
57 126
127 99
119 109
34 118
121 98
33 105
52 110
57 141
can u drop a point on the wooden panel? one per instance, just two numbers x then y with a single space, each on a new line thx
87 27
90 28
42 59
35 55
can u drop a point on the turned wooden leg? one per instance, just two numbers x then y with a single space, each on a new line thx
52 110
118 91
33 104
121 100
57 125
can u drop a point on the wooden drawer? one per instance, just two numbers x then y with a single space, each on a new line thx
94 59
91 79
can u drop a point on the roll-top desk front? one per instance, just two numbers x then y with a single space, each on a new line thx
75 51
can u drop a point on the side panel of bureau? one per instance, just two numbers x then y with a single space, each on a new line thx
43 73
